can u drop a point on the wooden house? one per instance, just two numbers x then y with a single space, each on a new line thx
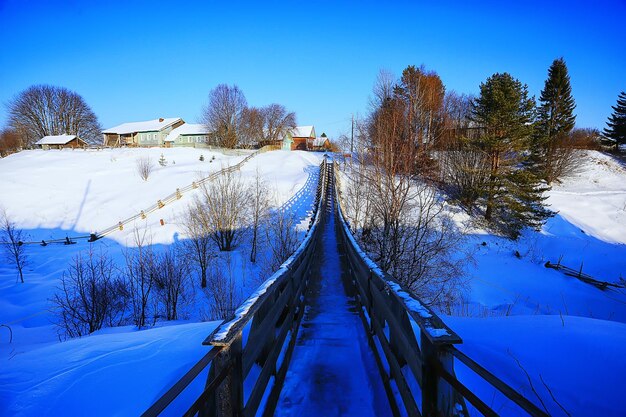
189 135
321 144
148 133
302 138
60 142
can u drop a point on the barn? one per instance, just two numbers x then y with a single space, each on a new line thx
60 142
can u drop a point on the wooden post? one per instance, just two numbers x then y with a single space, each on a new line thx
437 395
229 395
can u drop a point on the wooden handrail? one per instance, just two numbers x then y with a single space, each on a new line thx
497 383
386 309
180 385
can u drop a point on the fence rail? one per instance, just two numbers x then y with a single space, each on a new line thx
586 278
176 195
269 319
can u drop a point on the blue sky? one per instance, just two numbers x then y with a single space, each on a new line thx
137 60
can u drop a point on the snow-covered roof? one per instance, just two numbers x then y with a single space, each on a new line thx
302 132
187 129
55 140
319 141
147 126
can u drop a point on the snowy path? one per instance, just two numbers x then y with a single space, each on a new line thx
332 372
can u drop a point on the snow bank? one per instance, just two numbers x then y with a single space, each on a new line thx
580 359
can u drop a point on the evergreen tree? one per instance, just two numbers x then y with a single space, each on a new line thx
162 160
616 126
555 120
513 194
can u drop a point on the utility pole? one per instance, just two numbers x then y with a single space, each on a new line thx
352 136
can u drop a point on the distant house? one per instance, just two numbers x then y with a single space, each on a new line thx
60 141
148 133
302 138
188 134
321 144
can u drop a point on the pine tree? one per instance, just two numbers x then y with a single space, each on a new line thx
162 161
555 120
513 194
616 125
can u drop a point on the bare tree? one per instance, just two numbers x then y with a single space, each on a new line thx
222 291
144 167
12 239
9 142
224 203
465 169
223 114
259 201
199 243
278 121
43 110
251 128
282 238
140 275
90 295
171 278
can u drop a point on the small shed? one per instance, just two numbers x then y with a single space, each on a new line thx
60 142
321 144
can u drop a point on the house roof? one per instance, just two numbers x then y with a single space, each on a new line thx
56 140
147 126
303 132
319 141
187 129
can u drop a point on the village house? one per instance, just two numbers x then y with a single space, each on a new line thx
301 138
188 134
321 144
148 133
60 142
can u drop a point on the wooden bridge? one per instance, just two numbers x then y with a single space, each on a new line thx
330 334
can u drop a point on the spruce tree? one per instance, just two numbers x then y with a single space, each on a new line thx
616 125
513 194
555 120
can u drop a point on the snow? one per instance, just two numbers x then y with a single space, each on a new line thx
118 371
55 140
52 194
145 126
187 129
302 132
580 359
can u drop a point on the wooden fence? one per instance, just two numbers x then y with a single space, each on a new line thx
260 337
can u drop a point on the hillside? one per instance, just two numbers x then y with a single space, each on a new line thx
52 194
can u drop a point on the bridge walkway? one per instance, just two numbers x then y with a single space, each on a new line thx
333 371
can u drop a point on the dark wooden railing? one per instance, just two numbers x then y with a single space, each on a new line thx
252 350
413 347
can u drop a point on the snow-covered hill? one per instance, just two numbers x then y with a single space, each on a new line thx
51 194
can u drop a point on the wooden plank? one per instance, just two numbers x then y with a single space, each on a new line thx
269 369
169 396
500 385
272 399
396 372
406 343
466 393
265 331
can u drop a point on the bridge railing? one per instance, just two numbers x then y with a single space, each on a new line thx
251 351
413 347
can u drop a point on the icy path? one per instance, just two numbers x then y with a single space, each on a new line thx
332 371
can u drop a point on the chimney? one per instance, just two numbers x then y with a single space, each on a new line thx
161 119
